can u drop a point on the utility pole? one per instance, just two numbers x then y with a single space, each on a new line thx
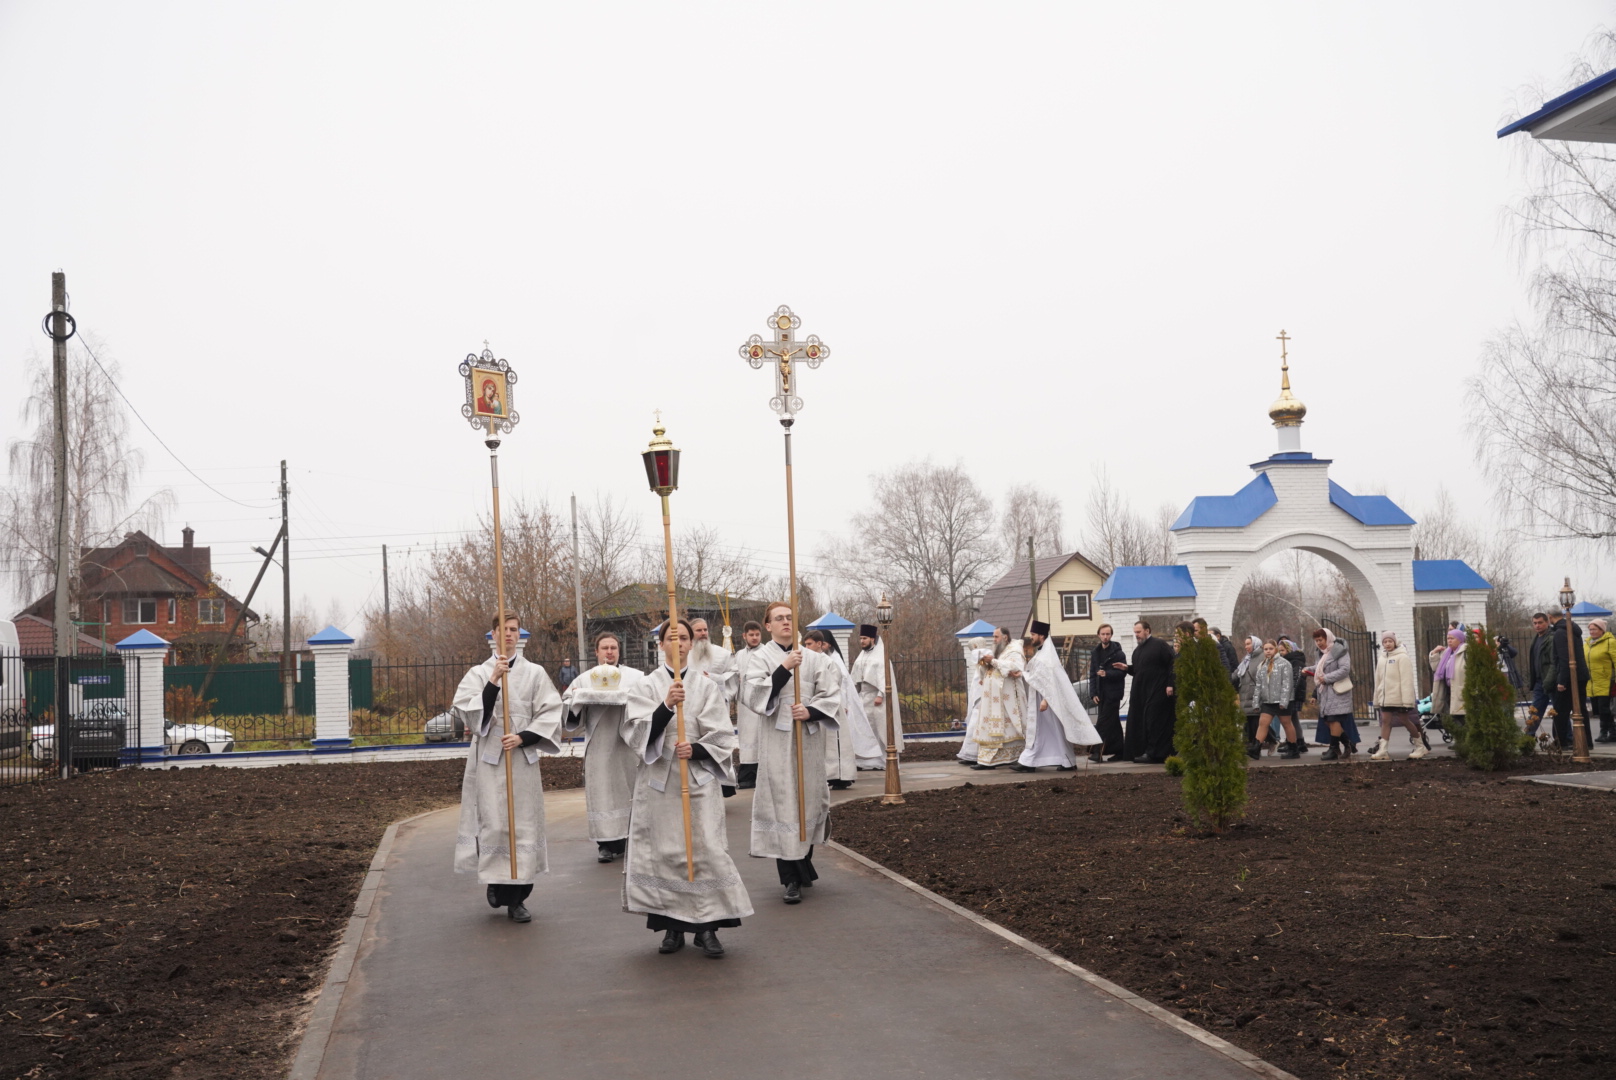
66 633
1032 572
288 661
387 599
578 593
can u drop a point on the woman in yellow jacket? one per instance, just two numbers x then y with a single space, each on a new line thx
1601 670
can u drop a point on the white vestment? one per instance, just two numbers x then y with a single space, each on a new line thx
776 832
1065 723
655 877
717 662
996 729
870 678
851 745
482 843
609 762
747 722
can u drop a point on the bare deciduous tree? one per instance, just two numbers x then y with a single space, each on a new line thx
101 472
1115 534
1496 555
1031 512
609 542
1543 405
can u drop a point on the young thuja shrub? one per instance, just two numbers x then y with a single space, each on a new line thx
1209 734
1490 738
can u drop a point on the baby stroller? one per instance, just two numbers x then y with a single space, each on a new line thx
1430 721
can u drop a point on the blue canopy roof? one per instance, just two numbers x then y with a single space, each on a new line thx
1439 575
1369 509
1229 511
1583 608
331 636
143 639
831 621
1146 583
1561 103
980 628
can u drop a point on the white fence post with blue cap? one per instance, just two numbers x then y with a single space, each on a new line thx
144 654
332 715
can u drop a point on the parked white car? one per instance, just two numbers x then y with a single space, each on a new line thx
190 739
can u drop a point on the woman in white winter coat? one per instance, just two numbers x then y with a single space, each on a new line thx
1397 696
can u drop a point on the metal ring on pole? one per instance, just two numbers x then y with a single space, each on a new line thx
72 326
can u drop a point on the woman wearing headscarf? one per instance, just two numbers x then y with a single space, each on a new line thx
1449 667
1245 679
1397 696
1275 679
1601 669
1332 676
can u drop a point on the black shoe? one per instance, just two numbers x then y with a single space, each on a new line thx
1145 759
1114 758
605 855
493 896
840 785
1331 754
793 893
1254 750
518 913
1019 767
1289 750
983 768
1068 768
1097 757
672 941
708 942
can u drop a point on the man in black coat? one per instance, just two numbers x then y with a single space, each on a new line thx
1151 711
1105 684
1562 675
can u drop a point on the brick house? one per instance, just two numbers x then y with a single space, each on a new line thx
139 584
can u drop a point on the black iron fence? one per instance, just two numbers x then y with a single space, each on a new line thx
59 717
931 694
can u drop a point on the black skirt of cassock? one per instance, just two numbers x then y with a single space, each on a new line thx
1151 712
662 922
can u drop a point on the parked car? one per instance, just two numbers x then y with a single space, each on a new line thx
189 739
445 727
98 736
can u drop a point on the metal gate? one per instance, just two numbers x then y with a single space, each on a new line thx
1361 649
64 716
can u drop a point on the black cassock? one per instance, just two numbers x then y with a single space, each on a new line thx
1150 706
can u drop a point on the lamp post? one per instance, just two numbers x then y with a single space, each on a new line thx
1579 723
662 472
883 619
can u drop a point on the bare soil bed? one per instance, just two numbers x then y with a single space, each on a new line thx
175 924
931 750
1412 920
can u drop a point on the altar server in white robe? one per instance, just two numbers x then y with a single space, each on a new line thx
655 882
767 690
483 842
747 722
870 674
1058 719
850 745
594 705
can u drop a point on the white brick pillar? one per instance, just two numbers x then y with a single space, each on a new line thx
144 654
331 649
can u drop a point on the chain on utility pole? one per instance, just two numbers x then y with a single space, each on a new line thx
288 661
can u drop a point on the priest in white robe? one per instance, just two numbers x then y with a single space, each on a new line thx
870 674
595 704
997 726
656 883
713 659
747 722
777 829
851 744
1058 719
483 841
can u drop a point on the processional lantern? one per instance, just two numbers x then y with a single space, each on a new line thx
1568 597
883 612
661 462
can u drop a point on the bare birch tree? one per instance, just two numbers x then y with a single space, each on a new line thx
102 470
1543 406
1496 555
1115 534
1031 512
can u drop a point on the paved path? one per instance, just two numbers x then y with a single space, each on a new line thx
1601 781
865 977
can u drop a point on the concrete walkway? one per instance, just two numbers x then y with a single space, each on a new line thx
865 977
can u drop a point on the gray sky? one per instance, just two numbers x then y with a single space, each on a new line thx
1038 237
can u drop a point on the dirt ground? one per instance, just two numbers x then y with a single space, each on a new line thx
1403 920
175 924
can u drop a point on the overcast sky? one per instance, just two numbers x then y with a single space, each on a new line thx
1038 237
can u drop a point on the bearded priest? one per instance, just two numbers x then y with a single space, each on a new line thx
767 691
1059 720
483 841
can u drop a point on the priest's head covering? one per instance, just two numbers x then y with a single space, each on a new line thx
866 630
1040 628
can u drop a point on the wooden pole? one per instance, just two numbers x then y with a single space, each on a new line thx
499 647
670 634
796 634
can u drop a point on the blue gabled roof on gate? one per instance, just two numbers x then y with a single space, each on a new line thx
980 628
1440 575
1146 583
1229 511
1369 509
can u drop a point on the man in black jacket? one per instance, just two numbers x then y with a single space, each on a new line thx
1105 684
1540 669
1151 708
1562 675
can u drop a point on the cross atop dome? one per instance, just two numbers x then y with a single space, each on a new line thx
1287 410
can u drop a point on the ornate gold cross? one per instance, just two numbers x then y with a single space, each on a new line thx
784 348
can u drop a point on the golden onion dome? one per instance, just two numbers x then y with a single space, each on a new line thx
1287 409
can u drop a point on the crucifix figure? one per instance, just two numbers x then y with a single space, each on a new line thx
783 350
